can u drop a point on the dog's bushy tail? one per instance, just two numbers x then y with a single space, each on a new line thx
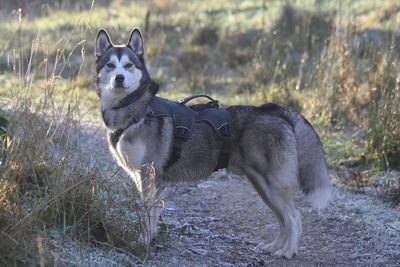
313 173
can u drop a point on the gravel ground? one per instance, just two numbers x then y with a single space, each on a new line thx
220 222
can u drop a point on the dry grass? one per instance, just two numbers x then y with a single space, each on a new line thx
52 191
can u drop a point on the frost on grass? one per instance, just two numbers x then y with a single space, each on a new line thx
75 253
379 224
113 224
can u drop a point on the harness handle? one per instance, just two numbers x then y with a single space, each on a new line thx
187 99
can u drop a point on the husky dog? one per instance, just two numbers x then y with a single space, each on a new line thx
274 147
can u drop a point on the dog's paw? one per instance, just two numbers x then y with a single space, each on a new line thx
274 246
269 248
285 253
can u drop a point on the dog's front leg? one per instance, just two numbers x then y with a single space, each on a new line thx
151 197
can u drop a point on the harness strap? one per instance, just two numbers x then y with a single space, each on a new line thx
225 133
181 135
219 119
137 94
183 119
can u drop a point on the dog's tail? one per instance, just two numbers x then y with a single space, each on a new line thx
313 173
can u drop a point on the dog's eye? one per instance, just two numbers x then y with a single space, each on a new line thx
110 65
128 65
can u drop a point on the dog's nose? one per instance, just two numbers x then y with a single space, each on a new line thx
119 80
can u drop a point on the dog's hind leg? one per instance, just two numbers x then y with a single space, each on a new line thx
278 196
282 237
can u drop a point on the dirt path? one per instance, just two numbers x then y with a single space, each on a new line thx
226 220
220 222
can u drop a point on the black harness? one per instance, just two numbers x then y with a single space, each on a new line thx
184 118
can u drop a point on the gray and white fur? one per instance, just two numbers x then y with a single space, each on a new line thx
274 147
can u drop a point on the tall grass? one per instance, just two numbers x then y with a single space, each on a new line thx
350 72
384 115
358 81
52 191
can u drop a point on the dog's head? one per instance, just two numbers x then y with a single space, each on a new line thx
121 70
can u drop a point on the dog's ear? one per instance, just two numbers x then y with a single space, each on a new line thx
136 42
102 43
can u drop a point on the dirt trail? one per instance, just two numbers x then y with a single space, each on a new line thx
220 222
229 220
